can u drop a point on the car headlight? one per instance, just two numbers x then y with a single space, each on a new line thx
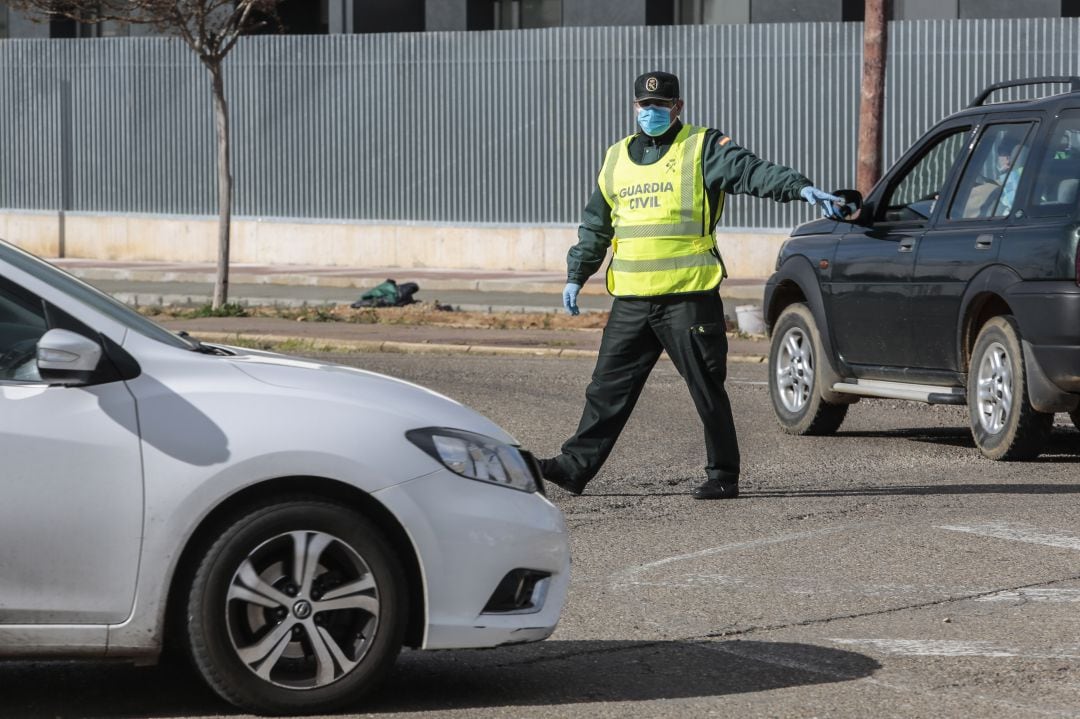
475 456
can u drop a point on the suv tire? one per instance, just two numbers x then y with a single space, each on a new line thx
1003 422
793 377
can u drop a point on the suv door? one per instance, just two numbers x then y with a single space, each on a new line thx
71 498
1037 241
966 238
869 285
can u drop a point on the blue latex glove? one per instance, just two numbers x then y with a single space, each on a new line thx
813 195
569 297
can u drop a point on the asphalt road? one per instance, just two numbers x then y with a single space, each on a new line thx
888 571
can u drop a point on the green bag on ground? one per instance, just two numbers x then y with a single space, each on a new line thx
385 294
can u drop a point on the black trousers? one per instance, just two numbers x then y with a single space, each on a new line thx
692 330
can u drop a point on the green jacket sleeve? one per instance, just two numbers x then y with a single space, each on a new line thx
594 238
737 171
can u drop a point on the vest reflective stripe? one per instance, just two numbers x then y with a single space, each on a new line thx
663 243
707 259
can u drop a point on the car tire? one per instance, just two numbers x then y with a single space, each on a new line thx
793 378
1003 422
297 607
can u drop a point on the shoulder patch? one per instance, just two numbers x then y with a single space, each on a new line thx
723 141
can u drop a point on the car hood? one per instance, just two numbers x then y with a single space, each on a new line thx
368 390
820 226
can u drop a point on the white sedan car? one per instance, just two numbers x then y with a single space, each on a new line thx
290 524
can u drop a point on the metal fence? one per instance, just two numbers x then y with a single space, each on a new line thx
467 127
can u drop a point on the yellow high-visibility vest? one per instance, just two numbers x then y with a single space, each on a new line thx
663 241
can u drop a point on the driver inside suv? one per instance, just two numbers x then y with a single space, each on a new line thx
995 186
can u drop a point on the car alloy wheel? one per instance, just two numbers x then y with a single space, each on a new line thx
1004 423
995 388
795 375
302 610
298 606
795 370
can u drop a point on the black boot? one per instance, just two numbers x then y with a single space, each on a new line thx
554 473
715 489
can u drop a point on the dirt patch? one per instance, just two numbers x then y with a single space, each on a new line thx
422 313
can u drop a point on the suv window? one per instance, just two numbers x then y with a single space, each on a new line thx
914 196
988 187
1056 187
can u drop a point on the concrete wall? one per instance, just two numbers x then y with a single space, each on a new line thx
20 25
925 9
446 15
719 12
1009 8
280 242
796 11
581 13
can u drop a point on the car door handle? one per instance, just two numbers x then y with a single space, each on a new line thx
984 242
906 244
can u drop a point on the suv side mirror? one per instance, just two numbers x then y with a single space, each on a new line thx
852 203
67 358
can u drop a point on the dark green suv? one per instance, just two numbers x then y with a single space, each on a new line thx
957 281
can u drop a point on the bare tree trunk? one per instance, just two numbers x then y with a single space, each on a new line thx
221 124
875 45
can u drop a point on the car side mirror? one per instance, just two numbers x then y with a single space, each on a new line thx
67 358
851 204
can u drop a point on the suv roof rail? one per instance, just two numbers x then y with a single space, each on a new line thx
1072 80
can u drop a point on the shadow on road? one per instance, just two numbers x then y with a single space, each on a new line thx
549 673
572 672
918 489
1064 444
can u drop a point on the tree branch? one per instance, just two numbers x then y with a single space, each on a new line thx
239 21
179 22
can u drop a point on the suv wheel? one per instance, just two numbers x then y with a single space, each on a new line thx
298 607
1003 422
794 386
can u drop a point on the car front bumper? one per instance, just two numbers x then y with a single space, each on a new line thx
468 537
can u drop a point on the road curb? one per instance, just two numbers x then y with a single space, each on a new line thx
286 343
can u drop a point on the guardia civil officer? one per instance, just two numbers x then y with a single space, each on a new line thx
657 200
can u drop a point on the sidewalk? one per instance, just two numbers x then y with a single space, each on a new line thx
148 283
191 284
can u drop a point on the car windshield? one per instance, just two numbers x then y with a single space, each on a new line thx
91 296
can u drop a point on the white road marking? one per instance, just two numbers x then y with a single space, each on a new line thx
630 572
1018 533
931 647
953 648
1034 595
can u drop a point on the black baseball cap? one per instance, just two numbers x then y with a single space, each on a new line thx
656 86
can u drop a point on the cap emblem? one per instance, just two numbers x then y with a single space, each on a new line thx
651 84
